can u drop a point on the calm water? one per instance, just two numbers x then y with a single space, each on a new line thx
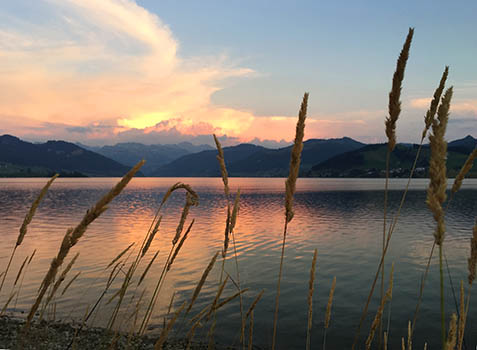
342 218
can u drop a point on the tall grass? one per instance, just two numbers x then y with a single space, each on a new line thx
128 312
290 188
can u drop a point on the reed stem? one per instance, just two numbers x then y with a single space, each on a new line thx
441 285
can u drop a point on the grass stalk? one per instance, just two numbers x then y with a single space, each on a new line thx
328 311
23 277
379 313
73 236
192 199
250 332
394 109
290 186
26 221
311 288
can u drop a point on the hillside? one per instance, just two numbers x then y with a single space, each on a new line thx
370 161
252 160
62 157
129 153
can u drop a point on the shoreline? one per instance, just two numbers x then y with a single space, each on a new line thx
59 335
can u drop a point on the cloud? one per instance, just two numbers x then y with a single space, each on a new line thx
112 61
109 71
457 105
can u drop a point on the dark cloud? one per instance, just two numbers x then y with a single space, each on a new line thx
79 129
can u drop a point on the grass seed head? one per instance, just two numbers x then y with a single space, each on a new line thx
394 107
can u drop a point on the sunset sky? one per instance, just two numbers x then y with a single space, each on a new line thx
107 71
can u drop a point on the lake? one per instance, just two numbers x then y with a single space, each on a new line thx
342 218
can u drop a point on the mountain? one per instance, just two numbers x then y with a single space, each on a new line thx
465 145
68 159
370 161
155 155
252 160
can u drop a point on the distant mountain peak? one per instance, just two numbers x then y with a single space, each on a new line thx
57 156
9 138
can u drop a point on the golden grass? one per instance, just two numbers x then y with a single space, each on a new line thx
179 246
201 282
394 110
436 196
311 288
254 303
58 282
472 261
26 221
290 187
379 313
330 303
151 236
70 282
119 256
436 193
462 317
73 235
250 332
20 271
394 106
148 267
168 328
451 337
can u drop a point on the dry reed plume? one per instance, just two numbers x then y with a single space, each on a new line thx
463 171
431 112
165 331
451 338
330 303
230 222
472 261
223 169
290 187
147 268
436 192
201 282
151 236
58 282
70 283
179 246
250 332
20 271
379 314
462 317
394 106
26 221
119 256
192 199
311 288
394 109
73 236
254 303
328 311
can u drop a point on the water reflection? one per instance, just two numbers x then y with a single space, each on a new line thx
342 218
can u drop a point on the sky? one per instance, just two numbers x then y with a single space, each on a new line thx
108 71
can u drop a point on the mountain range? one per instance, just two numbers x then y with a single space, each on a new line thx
341 157
370 161
21 158
156 155
252 160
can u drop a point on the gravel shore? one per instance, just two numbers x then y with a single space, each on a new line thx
59 335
